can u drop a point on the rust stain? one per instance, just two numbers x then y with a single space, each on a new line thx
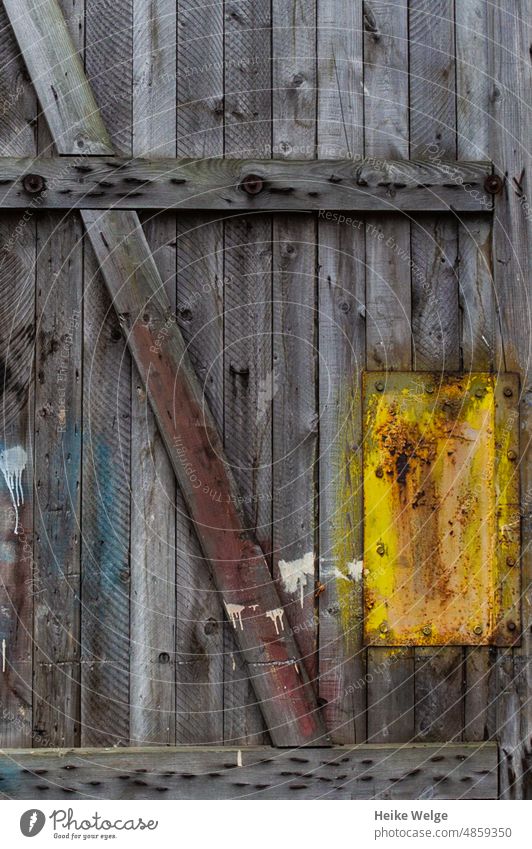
434 524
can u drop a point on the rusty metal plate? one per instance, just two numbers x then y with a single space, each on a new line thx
441 509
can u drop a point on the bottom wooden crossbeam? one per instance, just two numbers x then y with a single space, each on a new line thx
386 771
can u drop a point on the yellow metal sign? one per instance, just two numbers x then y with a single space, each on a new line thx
441 509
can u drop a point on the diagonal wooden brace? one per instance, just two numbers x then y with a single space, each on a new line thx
238 565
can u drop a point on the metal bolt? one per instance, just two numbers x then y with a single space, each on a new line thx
511 625
379 386
477 630
164 657
383 628
33 184
493 184
379 472
429 388
427 630
512 455
510 561
252 184
507 392
381 549
479 392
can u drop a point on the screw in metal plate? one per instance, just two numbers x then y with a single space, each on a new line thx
511 625
381 549
510 561
429 388
426 630
479 392
477 630
507 392
383 628
379 386
379 473
512 455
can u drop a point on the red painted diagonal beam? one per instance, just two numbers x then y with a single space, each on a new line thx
238 565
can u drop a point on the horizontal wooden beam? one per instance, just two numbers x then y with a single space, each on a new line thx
419 771
231 185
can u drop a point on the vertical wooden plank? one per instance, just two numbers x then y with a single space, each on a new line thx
105 581
388 308
435 306
250 379
510 125
153 517
17 313
58 352
342 657
478 345
199 654
295 327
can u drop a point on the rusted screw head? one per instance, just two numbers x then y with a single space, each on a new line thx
511 625
379 386
507 392
252 184
429 388
493 184
379 472
510 561
477 630
512 455
381 549
33 184
383 628
426 630
479 392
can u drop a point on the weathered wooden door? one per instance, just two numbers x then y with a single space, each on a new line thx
286 282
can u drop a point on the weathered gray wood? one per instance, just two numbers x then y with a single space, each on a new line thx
382 185
342 657
390 691
17 331
106 482
250 380
200 618
435 307
56 590
361 772
238 565
295 339
57 74
477 302
510 124
153 515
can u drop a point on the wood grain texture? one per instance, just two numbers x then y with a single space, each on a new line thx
509 73
362 772
477 300
57 73
295 333
153 516
435 306
200 617
250 380
342 657
189 433
107 406
17 334
211 184
390 690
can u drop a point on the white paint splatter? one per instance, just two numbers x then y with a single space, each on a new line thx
355 569
268 387
253 607
3 655
234 611
276 615
12 463
295 573
239 758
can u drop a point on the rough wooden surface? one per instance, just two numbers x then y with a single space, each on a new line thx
217 184
429 772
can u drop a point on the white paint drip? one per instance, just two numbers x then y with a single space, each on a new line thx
234 611
253 607
295 573
12 464
3 655
276 615
239 758
233 661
